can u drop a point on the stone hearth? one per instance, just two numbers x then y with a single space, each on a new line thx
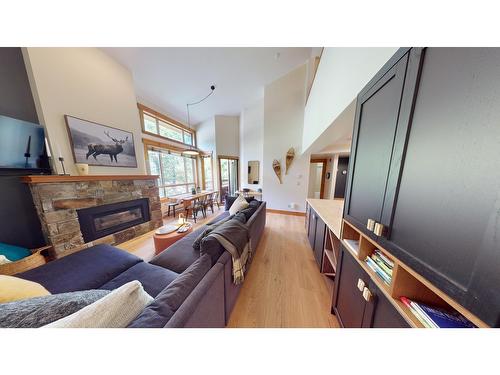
57 199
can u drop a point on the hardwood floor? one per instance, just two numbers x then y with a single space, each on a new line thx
143 246
283 287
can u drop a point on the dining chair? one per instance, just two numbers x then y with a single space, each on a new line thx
201 205
192 209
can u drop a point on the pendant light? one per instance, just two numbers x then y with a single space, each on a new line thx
191 150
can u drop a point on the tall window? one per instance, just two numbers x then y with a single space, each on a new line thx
157 124
207 172
176 172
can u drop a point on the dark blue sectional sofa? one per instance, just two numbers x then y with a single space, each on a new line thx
191 288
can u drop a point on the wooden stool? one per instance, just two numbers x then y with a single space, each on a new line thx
171 204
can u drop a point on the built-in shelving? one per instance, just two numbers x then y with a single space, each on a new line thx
405 282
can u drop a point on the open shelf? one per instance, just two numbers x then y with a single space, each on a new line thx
405 282
330 254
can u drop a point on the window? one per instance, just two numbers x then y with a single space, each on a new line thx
176 172
207 173
158 124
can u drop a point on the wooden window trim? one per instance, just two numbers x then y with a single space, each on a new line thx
203 158
219 157
170 121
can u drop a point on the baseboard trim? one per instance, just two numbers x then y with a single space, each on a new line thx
284 212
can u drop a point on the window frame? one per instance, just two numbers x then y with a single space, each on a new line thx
203 159
163 148
159 117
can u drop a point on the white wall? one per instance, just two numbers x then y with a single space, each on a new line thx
251 141
341 75
205 139
85 83
227 135
283 120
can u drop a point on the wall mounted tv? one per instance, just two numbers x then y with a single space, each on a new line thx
22 145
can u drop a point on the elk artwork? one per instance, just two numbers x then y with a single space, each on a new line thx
111 150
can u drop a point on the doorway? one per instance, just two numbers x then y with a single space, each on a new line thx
228 176
317 172
341 177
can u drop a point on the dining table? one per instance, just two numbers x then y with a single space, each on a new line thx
186 199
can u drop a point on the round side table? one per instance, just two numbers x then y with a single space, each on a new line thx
162 241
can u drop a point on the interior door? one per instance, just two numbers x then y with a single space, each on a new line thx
446 218
341 177
374 133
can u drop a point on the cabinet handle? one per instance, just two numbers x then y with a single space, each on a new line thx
367 295
379 229
370 225
361 285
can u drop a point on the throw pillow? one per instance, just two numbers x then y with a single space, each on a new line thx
13 253
240 216
116 310
248 212
230 200
39 311
14 289
158 313
239 204
206 232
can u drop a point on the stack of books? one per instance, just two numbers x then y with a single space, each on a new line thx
433 317
381 265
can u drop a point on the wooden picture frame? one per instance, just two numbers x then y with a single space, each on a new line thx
100 145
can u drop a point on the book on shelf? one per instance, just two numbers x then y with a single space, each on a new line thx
386 260
437 317
415 313
379 271
382 264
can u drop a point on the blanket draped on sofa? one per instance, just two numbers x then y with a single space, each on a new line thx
234 238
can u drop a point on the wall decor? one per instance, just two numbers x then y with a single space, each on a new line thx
290 155
277 169
97 144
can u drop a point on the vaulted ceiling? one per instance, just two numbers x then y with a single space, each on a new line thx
169 78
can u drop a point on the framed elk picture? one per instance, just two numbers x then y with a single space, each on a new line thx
97 144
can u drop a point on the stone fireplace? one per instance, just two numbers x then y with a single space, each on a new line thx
81 211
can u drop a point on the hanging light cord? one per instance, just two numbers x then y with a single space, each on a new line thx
198 102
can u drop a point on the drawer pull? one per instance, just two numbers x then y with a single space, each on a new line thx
379 229
367 295
370 225
361 285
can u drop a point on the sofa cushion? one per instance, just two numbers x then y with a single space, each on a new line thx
86 269
230 200
39 311
158 313
115 310
179 256
248 212
222 216
240 216
153 278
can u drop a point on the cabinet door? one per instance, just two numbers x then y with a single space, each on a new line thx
319 242
312 228
349 305
380 313
375 128
447 214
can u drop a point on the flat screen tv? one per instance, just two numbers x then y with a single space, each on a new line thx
22 145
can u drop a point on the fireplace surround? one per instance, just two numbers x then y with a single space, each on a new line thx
59 200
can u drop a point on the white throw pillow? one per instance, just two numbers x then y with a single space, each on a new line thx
116 310
239 204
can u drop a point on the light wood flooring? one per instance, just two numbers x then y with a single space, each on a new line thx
284 287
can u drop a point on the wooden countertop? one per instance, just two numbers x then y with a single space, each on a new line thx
330 211
40 179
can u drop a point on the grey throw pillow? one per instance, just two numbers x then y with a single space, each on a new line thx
241 217
40 311
206 232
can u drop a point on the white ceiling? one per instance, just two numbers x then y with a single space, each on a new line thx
169 78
